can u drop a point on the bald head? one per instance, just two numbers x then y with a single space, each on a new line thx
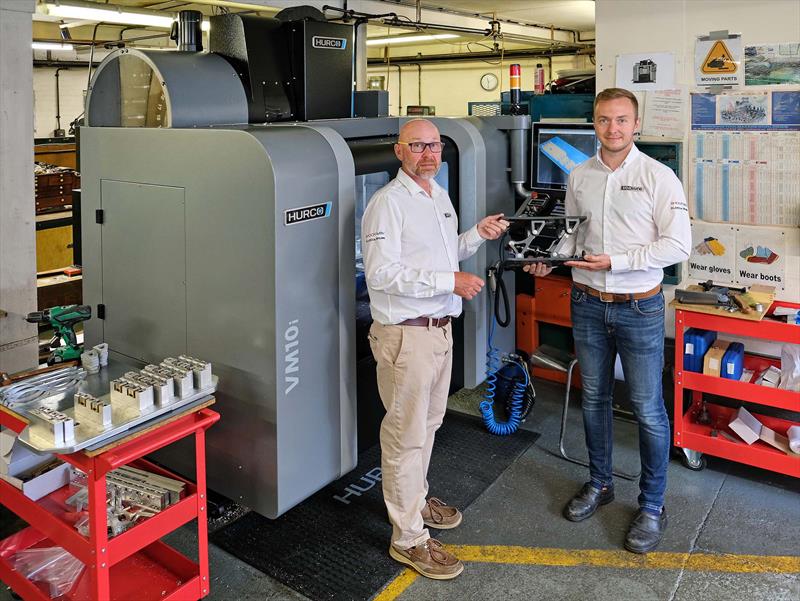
421 166
412 130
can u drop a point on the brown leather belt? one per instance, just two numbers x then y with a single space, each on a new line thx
436 322
617 297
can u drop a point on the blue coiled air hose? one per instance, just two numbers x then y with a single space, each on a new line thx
518 391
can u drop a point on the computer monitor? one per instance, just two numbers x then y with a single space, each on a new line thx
557 149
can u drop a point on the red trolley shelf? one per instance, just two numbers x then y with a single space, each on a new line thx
134 565
708 438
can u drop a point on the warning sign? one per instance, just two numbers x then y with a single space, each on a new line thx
718 61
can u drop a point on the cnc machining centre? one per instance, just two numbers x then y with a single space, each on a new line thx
222 194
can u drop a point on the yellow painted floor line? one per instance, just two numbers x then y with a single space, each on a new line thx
397 586
696 562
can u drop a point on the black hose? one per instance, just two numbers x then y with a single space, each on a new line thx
500 293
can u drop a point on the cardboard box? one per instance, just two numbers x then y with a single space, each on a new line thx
41 485
712 362
750 429
15 457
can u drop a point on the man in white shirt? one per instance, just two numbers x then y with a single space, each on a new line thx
638 223
411 253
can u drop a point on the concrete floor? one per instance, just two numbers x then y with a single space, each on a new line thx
725 509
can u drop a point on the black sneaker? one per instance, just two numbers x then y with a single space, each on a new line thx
646 531
585 503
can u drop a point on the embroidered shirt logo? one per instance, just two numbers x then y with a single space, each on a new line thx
632 188
448 215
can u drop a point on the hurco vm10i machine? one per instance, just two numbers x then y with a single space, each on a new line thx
222 192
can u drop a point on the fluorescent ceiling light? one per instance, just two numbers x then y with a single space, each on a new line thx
399 39
108 14
50 46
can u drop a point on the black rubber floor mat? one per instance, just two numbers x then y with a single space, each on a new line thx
334 545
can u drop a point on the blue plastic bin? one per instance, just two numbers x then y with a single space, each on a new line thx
733 361
695 344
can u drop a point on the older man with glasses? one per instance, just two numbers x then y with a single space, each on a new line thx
411 252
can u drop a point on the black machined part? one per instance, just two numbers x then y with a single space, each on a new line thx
535 238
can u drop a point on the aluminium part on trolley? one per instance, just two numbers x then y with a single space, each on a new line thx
93 417
255 262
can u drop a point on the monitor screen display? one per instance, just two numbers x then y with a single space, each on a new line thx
557 149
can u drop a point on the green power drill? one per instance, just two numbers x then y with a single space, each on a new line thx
64 343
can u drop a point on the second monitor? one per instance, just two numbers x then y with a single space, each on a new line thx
557 149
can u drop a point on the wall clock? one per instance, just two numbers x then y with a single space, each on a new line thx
489 81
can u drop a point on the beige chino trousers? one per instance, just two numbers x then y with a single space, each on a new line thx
414 365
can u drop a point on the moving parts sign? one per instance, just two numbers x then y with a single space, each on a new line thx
718 60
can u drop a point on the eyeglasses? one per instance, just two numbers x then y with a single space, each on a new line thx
419 147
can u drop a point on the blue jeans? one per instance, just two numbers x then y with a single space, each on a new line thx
635 331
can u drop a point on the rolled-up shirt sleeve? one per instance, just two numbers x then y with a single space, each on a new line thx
381 230
671 218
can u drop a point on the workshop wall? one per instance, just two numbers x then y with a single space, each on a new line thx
72 83
450 86
624 27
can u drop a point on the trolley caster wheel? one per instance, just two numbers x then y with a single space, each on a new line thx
696 464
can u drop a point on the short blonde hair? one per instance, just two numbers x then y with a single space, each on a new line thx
612 94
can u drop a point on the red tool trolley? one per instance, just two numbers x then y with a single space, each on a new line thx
135 564
696 438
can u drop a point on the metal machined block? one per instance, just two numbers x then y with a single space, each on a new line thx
184 380
163 388
130 396
201 370
91 410
52 426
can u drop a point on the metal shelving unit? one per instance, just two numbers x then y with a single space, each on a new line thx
697 437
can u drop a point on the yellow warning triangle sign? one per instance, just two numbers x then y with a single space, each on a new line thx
718 60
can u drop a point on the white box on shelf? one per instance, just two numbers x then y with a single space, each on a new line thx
37 487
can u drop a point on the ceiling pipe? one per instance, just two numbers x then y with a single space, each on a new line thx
40 63
477 56
462 13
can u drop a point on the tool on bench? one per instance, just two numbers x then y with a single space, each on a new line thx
62 319
726 297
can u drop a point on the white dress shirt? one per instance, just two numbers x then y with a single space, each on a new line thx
411 251
637 214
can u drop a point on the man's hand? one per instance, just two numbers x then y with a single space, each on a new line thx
467 285
492 227
592 263
538 269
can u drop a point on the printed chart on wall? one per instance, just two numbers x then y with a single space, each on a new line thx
743 157
772 64
738 254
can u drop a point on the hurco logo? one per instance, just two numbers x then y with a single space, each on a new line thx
632 188
370 479
319 41
291 356
308 213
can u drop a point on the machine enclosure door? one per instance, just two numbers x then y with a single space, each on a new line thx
144 231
